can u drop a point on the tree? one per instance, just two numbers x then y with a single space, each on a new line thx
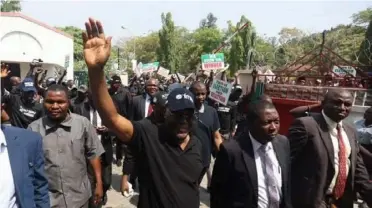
79 62
209 22
363 17
75 32
290 45
365 51
146 47
166 53
10 6
242 46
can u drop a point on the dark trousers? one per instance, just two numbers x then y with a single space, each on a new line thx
205 169
367 160
119 150
129 165
106 182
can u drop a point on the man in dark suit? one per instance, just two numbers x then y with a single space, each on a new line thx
22 181
123 102
327 169
253 169
88 110
142 103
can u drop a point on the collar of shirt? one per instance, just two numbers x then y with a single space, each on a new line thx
2 141
331 124
50 124
148 97
201 110
257 145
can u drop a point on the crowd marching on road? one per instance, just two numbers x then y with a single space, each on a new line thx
58 141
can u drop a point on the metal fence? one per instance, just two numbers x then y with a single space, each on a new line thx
361 96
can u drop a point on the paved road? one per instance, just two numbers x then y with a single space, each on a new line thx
116 200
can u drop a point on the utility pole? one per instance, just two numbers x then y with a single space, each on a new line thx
118 58
227 41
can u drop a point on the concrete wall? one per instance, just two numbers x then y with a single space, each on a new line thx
23 39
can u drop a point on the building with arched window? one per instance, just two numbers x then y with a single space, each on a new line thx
23 39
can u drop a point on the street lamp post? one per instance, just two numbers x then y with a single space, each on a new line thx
134 39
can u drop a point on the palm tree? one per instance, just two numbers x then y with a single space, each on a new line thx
10 6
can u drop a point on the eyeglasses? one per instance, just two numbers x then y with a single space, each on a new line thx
185 114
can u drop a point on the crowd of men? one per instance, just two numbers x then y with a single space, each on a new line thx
56 144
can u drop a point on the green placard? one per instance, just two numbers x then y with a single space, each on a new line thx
150 67
213 61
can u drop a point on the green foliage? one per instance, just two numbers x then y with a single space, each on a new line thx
242 46
362 17
79 63
76 32
365 51
209 22
179 49
166 51
10 6
145 49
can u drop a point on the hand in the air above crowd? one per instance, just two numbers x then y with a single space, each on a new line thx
4 70
97 46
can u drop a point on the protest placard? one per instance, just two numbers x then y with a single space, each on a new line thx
220 91
213 61
163 72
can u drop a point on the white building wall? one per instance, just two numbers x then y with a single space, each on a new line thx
22 40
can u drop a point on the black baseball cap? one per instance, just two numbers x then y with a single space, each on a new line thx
83 88
160 98
50 81
28 85
180 99
115 79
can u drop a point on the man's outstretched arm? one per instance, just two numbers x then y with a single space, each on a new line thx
97 49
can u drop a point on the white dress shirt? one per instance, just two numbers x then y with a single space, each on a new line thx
7 188
99 121
147 104
262 189
333 133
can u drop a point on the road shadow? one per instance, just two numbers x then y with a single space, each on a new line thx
204 196
116 182
134 199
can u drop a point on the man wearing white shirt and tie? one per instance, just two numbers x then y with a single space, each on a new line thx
253 169
142 103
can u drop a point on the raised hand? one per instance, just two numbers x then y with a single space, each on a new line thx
4 70
97 47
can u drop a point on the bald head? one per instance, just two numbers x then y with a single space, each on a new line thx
197 85
337 104
266 98
151 81
335 93
15 81
151 86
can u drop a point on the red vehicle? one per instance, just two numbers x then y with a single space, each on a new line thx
306 81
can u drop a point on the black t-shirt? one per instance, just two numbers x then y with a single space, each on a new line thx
123 101
22 115
207 124
168 175
227 117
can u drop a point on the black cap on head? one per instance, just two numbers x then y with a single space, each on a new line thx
115 79
180 99
160 98
50 81
83 88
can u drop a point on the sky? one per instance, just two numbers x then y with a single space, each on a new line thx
141 17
